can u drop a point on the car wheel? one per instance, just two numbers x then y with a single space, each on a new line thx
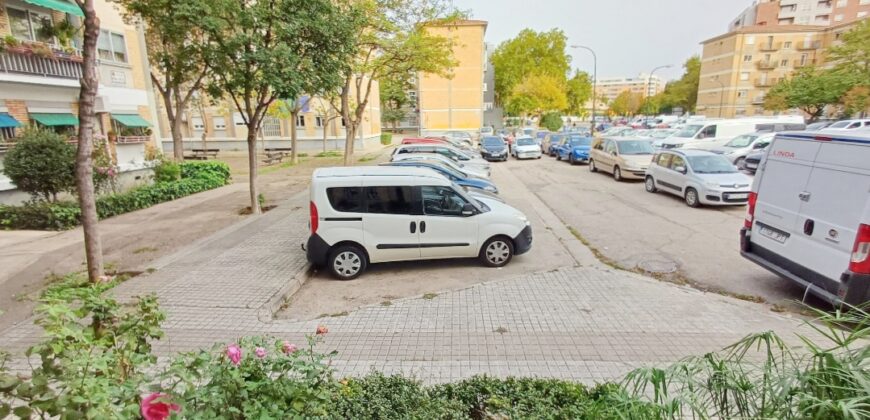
497 252
692 199
617 174
347 262
650 185
558 156
592 167
571 160
740 163
539 156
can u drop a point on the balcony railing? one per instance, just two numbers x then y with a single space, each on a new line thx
758 100
765 82
26 62
132 139
769 47
765 65
808 46
806 63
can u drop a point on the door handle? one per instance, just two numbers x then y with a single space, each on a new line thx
422 227
413 227
804 196
809 227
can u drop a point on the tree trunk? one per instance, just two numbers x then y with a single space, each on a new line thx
252 167
87 122
177 138
294 150
349 139
325 133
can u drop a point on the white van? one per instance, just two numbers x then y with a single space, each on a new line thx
715 133
809 214
373 214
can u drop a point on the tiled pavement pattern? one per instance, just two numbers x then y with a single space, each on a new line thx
587 324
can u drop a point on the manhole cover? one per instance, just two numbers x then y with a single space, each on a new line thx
658 266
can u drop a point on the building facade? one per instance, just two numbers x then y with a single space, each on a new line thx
643 84
738 68
493 114
456 103
801 12
40 72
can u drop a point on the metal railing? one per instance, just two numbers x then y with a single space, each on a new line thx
132 139
765 65
36 65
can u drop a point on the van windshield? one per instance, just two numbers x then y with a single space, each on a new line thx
689 131
711 165
741 141
635 147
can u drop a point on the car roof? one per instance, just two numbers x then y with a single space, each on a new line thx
691 152
374 171
626 138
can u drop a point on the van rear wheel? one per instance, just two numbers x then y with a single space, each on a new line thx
497 252
347 262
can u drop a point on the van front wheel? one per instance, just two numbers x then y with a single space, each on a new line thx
497 252
347 262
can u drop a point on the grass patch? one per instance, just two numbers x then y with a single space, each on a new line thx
274 168
303 155
144 249
329 154
335 315
150 270
386 303
430 296
367 159
595 251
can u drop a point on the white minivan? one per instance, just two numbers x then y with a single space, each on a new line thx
373 214
715 133
809 214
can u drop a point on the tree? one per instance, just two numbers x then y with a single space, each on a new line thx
529 54
626 103
810 90
538 94
394 97
42 163
681 93
857 100
260 51
174 43
87 124
852 55
552 121
290 109
578 94
393 41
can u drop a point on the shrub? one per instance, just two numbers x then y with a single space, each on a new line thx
391 397
167 171
40 215
42 163
386 138
552 121
215 170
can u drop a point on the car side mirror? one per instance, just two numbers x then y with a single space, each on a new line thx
759 146
613 153
468 210
680 169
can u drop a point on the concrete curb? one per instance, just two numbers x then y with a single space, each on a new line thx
266 313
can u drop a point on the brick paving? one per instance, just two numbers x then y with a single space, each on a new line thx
582 323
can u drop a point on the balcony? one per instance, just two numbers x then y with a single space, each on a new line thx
765 65
804 63
132 139
765 83
772 47
809 46
758 100
22 60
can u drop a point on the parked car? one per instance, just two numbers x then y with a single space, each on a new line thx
738 148
486 131
457 177
446 161
699 177
713 133
366 215
658 136
808 218
574 149
753 160
444 150
846 125
494 148
539 138
624 157
526 148
819 125
441 141
552 142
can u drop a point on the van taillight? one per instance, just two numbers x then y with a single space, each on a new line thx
312 212
860 262
750 211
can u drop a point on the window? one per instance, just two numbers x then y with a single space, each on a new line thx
677 161
860 16
271 127
487 106
112 47
485 87
742 93
197 124
786 45
747 58
442 201
838 18
318 121
390 200
783 63
744 76
708 132
610 147
750 40
27 24
219 123
346 199
842 3
664 160
300 121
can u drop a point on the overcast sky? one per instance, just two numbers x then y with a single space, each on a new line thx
629 36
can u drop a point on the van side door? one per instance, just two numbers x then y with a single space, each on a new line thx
391 225
445 232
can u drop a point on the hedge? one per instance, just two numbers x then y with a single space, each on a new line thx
195 177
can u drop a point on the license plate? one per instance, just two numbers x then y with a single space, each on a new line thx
751 165
772 234
738 196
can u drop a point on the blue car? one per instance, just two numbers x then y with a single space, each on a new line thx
574 148
457 177
551 143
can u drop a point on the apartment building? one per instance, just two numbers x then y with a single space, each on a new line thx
643 84
738 68
493 114
40 68
456 103
801 12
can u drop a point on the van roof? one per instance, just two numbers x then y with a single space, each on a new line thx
690 152
862 138
355 171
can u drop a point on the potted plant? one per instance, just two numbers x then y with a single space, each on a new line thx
42 50
14 45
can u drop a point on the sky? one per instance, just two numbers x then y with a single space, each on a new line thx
629 36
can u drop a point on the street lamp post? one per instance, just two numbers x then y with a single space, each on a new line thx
649 78
594 82
721 94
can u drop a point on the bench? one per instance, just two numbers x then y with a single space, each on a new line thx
276 154
202 154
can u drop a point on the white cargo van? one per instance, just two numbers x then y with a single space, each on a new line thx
809 214
372 214
715 133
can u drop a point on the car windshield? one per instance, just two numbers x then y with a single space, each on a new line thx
581 141
635 147
715 164
661 134
689 131
841 124
492 141
741 141
525 141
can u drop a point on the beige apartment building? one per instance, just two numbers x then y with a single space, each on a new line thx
643 84
801 12
738 68
456 103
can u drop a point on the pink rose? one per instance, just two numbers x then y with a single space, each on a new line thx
321 330
288 348
234 353
260 352
156 410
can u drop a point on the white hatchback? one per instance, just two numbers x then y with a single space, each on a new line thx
373 214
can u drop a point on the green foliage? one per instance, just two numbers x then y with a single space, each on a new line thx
852 55
682 93
394 97
537 94
552 121
167 170
196 177
42 163
94 359
810 90
857 100
391 397
386 139
530 53
579 92
626 103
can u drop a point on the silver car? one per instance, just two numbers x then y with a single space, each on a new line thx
739 147
699 177
526 148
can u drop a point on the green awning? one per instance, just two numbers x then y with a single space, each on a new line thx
52 120
7 121
59 5
131 120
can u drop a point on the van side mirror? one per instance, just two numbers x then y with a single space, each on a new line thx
680 169
468 210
